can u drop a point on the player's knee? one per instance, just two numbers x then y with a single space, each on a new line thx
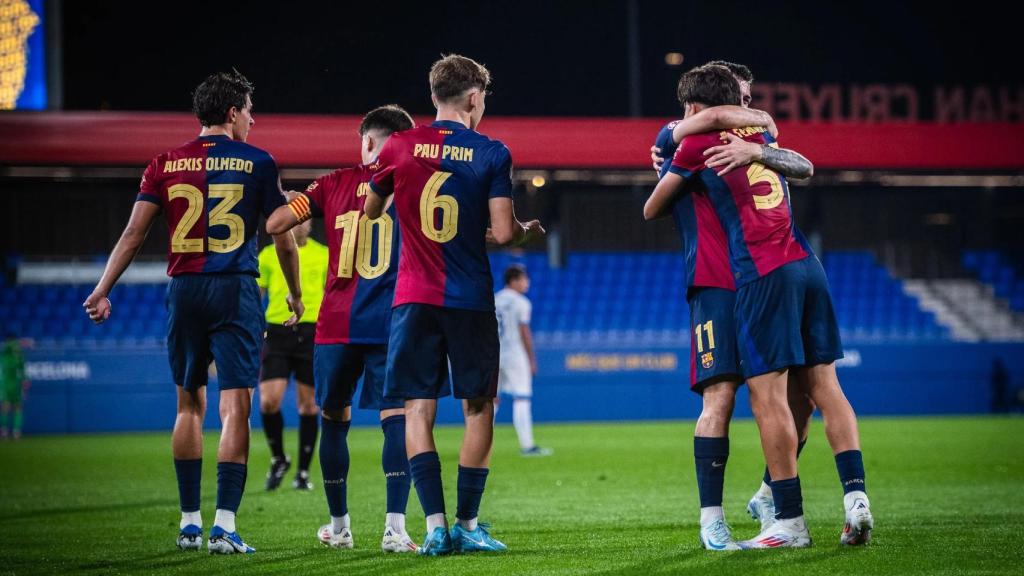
269 404
476 407
334 415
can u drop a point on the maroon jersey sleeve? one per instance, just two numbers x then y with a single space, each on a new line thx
383 180
689 157
149 188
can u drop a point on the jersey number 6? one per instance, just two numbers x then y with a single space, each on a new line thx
431 202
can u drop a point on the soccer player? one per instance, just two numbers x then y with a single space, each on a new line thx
353 327
448 181
288 351
716 374
518 363
211 191
784 315
12 386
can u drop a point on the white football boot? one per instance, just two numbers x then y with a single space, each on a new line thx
716 535
327 536
788 533
762 507
397 541
859 523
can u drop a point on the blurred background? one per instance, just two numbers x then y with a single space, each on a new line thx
912 114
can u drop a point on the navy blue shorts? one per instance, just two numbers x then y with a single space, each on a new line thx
426 340
214 318
337 369
786 318
714 356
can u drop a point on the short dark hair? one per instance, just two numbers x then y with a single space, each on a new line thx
710 85
453 74
214 98
738 70
514 272
389 118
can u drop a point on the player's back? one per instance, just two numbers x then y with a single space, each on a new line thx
212 191
443 176
752 203
363 258
513 310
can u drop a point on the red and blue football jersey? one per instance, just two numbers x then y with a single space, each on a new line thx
751 203
443 177
212 191
363 259
705 249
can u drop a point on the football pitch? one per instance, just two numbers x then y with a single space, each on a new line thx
947 495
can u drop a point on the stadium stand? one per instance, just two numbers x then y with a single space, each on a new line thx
598 297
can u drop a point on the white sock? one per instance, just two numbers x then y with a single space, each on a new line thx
191 518
225 519
522 419
469 525
436 521
710 514
852 497
765 491
339 524
395 521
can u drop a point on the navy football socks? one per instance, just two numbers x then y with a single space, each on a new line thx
850 465
190 475
230 485
395 464
710 456
334 462
789 500
426 474
471 491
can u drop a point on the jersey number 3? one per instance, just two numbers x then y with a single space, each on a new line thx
220 215
357 236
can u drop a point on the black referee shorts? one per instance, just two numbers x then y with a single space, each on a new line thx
288 351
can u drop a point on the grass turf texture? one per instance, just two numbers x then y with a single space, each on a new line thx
947 494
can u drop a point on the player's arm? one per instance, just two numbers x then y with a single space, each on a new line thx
722 118
716 118
506 229
738 152
97 305
660 202
288 257
686 162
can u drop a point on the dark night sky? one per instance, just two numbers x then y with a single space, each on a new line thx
547 58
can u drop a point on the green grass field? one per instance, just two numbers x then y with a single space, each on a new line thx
947 494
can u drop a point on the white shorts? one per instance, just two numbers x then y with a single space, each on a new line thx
515 378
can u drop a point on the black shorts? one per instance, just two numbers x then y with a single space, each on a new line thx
287 351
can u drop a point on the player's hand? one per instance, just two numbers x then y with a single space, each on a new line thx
297 308
734 153
533 366
97 306
656 159
489 237
533 230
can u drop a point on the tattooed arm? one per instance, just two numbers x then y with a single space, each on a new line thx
738 152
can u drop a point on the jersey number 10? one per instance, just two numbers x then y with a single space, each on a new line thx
357 236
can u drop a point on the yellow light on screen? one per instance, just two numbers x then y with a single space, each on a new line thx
674 58
539 181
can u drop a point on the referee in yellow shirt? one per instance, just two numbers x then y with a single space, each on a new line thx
287 352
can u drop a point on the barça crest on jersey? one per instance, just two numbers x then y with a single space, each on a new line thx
707 360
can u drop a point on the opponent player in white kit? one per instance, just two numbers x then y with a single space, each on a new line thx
518 362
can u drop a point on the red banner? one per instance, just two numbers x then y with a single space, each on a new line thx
107 138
